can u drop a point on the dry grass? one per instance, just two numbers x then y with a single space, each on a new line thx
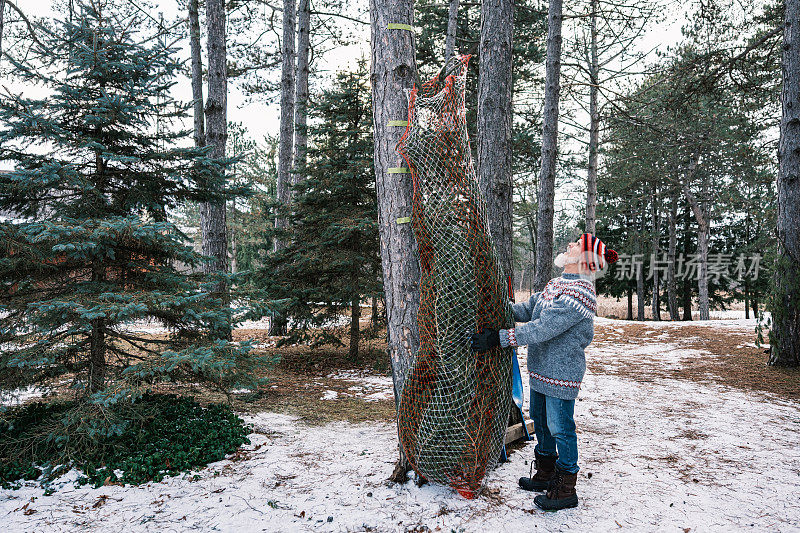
728 358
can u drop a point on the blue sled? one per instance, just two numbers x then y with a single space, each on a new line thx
517 393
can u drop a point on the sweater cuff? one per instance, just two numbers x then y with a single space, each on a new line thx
508 337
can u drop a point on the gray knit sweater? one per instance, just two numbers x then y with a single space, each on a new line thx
559 325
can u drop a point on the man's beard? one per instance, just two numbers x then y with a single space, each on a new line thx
562 260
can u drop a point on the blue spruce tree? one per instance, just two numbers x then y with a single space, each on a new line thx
87 246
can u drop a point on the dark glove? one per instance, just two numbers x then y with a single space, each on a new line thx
485 340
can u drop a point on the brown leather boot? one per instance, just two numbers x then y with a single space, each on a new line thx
545 471
561 493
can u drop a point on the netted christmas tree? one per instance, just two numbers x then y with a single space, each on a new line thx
454 406
86 245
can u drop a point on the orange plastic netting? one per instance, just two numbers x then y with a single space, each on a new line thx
454 406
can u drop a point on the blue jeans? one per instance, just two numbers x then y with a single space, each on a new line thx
555 429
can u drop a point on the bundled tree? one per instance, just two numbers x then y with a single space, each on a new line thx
330 263
92 248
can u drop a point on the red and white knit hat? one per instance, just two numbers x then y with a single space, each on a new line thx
596 251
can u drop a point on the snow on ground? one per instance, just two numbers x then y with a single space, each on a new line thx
367 386
719 319
659 455
22 395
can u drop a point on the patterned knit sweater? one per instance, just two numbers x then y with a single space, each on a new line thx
559 325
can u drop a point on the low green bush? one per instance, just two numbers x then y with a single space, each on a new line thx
131 443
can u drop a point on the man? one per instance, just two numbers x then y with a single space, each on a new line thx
559 325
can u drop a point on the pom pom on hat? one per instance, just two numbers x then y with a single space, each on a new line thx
593 245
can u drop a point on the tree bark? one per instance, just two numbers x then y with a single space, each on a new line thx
630 304
213 213
286 140
393 70
197 74
301 90
656 223
701 216
672 289
494 124
687 288
2 12
355 330
785 334
452 28
594 125
547 175
640 305
746 291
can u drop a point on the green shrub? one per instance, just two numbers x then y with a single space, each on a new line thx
150 439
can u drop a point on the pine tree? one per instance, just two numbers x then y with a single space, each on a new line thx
92 247
330 263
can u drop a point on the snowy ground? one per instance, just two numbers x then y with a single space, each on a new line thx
656 455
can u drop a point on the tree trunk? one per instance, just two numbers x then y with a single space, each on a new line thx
630 304
701 216
2 11
746 291
393 70
494 124
286 134
215 234
785 334
355 330
374 316
197 75
594 126
547 175
640 270
656 250
639 293
234 240
672 288
301 90
687 288
452 28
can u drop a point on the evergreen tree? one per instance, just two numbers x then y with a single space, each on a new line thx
92 248
330 262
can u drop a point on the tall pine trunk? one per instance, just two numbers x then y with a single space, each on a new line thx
672 288
301 90
494 124
286 133
702 218
452 28
639 269
2 12
630 304
214 225
785 334
656 224
393 70
547 175
687 287
355 330
594 126
197 75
